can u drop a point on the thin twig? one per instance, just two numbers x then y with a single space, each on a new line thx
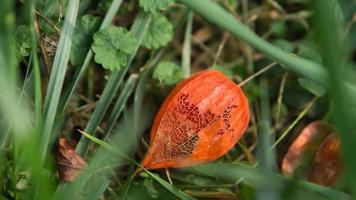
257 73
48 21
295 122
168 176
42 48
279 101
276 5
221 47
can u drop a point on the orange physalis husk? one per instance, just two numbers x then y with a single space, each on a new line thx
306 143
203 117
327 165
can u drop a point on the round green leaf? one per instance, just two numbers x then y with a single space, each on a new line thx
159 33
112 46
155 5
168 73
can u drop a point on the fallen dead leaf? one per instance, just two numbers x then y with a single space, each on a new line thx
304 146
70 164
326 168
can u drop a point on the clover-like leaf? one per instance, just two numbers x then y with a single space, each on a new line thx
159 33
168 73
22 42
112 46
83 38
155 5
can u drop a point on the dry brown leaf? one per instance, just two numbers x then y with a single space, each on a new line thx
326 168
69 162
305 145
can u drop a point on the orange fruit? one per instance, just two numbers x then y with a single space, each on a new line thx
203 117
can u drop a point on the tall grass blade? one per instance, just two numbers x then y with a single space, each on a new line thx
30 8
266 158
334 52
234 172
59 69
120 103
15 112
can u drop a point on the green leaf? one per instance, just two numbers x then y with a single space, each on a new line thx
83 38
155 5
112 46
312 87
22 42
159 33
168 73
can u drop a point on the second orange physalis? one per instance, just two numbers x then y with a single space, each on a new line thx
203 117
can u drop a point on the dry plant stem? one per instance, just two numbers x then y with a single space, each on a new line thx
250 149
48 21
279 101
42 49
221 47
275 5
247 153
117 180
295 122
168 176
257 74
254 125
244 5
211 194
349 25
230 8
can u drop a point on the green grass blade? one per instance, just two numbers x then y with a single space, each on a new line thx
30 5
110 15
334 52
138 29
217 15
59 69
266 158
180 194
140 90
15 112
120 103
234 172
295 122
